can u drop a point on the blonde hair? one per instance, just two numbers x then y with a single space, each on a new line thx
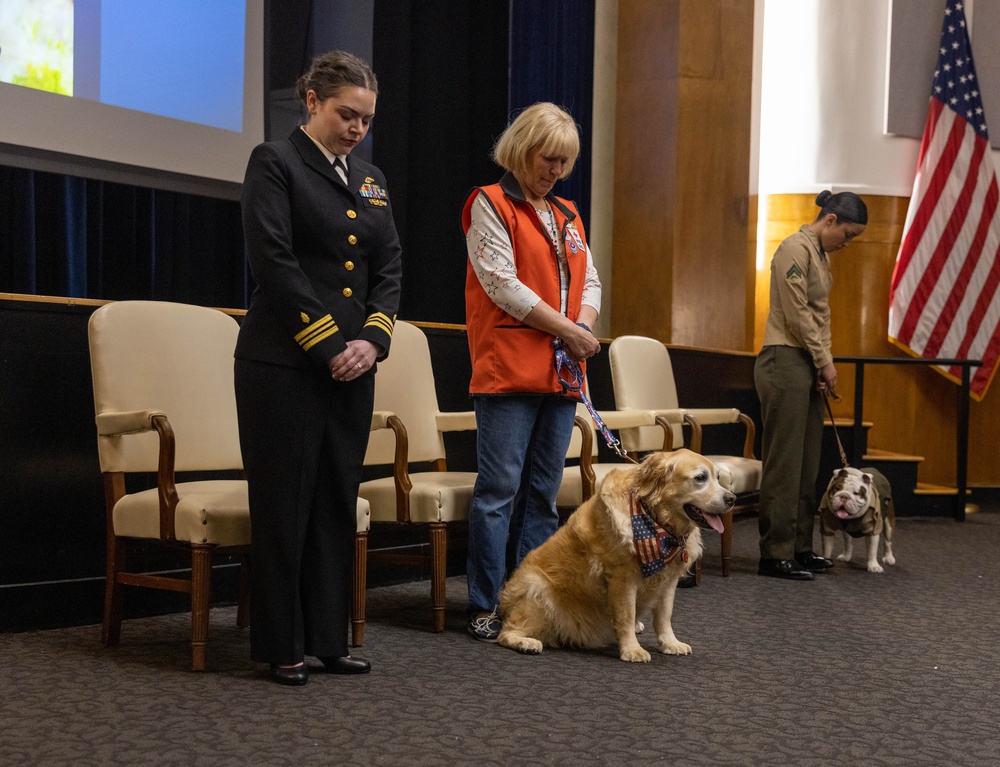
544 128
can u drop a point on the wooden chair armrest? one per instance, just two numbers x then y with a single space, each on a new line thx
695 425
166 487
113 424
627 419
714 416
699 417
751 435
401 468
380 419
588 480
667 419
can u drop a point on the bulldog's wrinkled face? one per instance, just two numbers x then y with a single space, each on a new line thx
849 493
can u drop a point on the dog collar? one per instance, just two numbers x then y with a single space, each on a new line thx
655 546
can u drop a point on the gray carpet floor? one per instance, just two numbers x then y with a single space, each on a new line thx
849 669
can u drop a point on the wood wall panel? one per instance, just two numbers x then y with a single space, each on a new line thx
912 408
680 270
645 137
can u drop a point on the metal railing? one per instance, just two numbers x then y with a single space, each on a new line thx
962 415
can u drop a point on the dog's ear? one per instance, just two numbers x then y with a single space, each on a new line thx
867 478
654 470
840 473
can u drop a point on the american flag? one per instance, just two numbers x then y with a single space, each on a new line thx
654 546
943 301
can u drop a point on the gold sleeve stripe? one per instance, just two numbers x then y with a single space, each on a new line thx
322 328
322 321
381 321
315 340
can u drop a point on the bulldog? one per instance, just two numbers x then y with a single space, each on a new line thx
858 503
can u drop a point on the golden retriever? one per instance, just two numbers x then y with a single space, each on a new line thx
586 587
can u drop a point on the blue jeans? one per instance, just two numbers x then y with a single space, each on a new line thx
522 445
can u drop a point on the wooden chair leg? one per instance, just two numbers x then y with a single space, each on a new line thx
201 599
727 541
243 606
438 532
114 489
359 589
113 592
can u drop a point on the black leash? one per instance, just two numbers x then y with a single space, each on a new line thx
840 447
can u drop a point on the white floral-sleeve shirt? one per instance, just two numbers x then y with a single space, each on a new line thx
492 258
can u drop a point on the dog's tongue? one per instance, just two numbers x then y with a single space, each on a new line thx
841 514
716 522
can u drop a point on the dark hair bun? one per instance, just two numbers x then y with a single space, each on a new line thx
823 197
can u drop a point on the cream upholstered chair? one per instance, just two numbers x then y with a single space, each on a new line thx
164 403
582 481
643 378
408 431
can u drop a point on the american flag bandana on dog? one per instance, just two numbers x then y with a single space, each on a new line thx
654 546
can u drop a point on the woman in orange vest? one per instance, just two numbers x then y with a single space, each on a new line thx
530 284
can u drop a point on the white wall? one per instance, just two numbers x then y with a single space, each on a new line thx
822 100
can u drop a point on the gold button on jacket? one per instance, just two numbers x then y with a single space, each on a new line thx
352 240
348 292
296 170
349 266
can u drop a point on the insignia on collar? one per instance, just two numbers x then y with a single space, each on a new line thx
305 317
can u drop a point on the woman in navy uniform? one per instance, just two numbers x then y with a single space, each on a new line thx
325 256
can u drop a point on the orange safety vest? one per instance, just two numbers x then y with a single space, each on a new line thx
509 357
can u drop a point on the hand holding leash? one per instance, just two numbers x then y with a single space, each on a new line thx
826 379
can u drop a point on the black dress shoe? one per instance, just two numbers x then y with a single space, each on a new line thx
295 676
813 562
784 568
346 665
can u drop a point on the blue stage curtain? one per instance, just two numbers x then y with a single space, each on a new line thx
552 59
68 236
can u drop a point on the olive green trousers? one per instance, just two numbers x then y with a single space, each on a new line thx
792 412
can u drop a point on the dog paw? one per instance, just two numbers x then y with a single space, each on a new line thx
843 558
639 627
675 648
526 645
889 559
875 567
635 655
529 646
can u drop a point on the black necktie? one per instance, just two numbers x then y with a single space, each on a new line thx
338 165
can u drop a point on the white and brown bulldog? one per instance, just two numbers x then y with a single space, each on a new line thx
858 503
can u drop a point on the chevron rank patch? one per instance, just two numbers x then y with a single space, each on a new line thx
794 274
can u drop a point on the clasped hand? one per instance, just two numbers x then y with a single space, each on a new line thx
356 360
581 345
